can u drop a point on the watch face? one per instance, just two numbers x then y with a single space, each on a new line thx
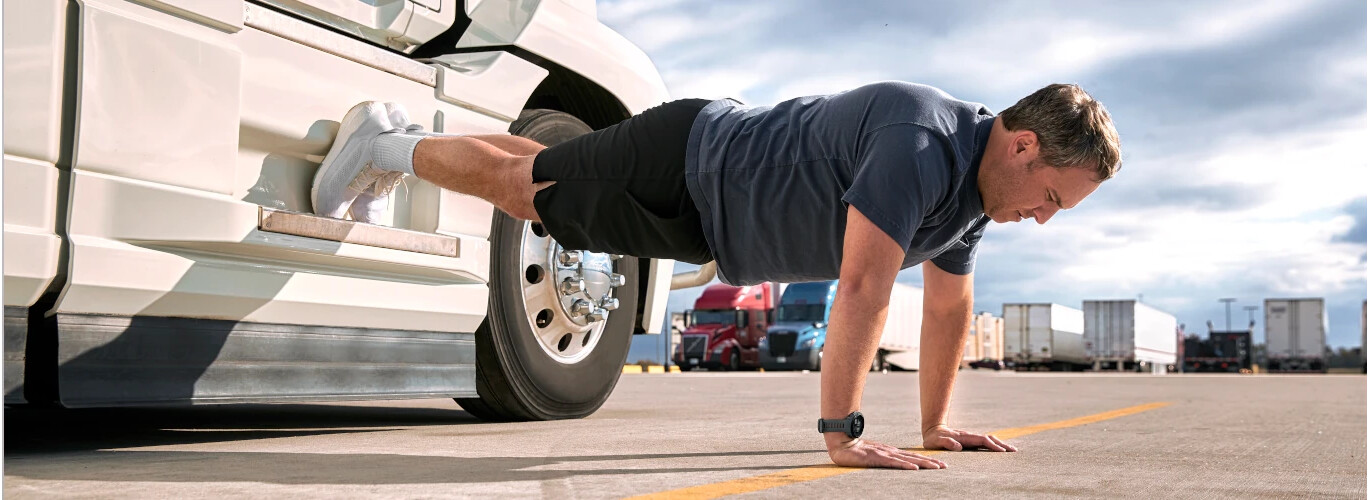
857 425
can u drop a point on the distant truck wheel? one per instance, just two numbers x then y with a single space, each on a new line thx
538 356
734 361
879 364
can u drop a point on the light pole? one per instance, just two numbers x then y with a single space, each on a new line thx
1227 304
1251 310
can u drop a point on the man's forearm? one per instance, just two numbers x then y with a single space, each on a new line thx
857 320
942 344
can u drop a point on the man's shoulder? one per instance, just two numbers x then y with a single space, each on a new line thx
924 105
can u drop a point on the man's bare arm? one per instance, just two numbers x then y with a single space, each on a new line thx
946 308
869 264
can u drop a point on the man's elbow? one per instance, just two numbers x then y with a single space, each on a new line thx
867 291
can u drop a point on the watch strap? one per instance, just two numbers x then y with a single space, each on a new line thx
832 425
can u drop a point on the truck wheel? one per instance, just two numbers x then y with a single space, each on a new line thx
878 365
734 362
548 350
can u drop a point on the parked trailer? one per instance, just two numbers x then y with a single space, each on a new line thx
1295 332
1129 335
900 345
984 344
1044 336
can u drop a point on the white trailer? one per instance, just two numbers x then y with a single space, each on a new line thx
900 345
1295 332
1044 336
1127 334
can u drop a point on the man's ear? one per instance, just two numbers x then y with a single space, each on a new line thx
1024 141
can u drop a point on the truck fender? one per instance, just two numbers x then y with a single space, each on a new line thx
572 37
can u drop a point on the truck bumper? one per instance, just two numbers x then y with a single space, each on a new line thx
706 361
802 359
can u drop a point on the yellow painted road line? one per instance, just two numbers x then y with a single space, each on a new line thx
802 474
1022 431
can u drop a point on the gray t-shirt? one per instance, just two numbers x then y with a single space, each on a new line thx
772 184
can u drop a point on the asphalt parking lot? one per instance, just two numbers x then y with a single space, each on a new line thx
705 435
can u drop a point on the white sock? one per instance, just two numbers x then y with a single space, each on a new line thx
393 151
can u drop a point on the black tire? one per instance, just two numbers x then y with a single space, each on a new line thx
515 378
685 368
879 364
734 361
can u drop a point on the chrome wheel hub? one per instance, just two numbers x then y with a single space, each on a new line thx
568 294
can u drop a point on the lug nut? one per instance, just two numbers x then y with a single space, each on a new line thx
581 307
609 303
569 257
597 314
571 286
617 280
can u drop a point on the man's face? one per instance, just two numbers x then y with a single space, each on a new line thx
1029 189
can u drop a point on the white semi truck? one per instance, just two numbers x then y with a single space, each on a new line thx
160 246
1043 336
1129 335
1295 332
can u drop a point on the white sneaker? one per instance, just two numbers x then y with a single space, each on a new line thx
372 203
346 172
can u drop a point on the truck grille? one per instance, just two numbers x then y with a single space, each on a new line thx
781 343
695 345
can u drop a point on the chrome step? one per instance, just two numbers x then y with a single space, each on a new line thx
345 231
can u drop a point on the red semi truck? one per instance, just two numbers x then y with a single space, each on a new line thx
725 327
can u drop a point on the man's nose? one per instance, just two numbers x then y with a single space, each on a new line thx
1043 214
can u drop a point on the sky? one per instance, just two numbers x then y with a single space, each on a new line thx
1243 125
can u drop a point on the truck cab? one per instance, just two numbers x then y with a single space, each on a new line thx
796 339
726 327
161 247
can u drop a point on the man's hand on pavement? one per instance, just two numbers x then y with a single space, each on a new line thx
863 453
942 437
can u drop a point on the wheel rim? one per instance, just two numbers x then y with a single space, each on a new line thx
568 294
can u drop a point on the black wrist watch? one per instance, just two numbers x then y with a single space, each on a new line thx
852 425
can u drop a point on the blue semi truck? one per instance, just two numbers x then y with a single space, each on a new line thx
796 339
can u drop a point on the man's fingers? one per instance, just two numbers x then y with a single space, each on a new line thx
1001 443
916 457
918 460
950 444
988 442
886 459
922 460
